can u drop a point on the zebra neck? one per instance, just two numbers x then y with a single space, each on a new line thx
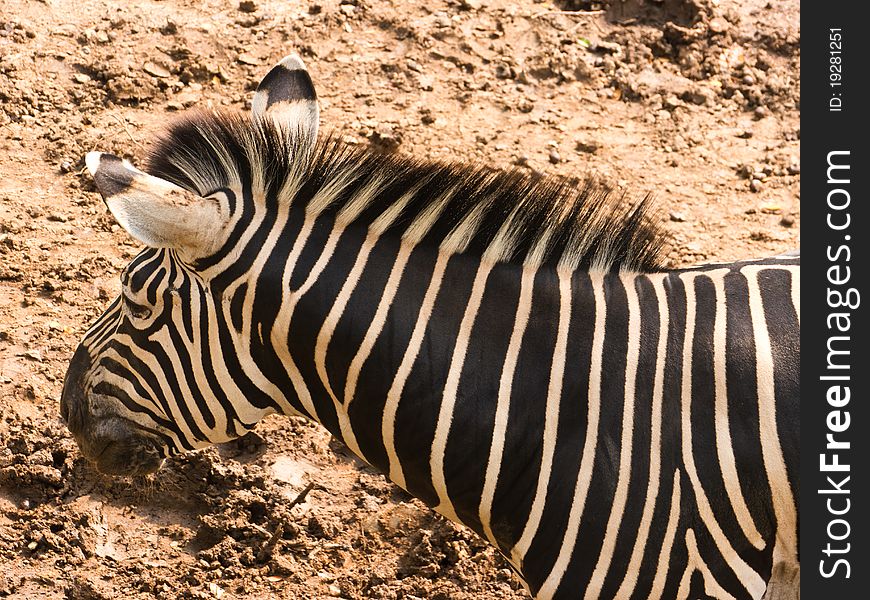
418 360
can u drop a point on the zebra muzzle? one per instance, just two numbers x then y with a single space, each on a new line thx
116 445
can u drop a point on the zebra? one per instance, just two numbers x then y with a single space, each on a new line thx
508 348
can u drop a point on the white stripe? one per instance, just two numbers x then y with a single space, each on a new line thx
252 277
664 563
724 444
391 406
502 410
655 445
451 387
154 366
620 495
587 462
696 562
750 579
551 420
325 337
377 324
785 547
289 300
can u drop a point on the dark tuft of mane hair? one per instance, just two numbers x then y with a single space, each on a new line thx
520 218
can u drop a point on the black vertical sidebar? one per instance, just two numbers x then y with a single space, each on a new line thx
835 348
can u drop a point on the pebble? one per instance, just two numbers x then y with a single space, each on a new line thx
248 59
554 157
787 221
755 185
588 147
247 6
81 78
678 217
525 105
522 160
748 80
718 25
761 112
155 70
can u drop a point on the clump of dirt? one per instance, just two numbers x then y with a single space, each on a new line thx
695 101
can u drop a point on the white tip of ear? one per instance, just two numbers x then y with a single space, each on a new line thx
92 161
292 62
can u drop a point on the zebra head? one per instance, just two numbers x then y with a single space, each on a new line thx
154 351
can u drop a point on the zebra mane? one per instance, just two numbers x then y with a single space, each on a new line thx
502 216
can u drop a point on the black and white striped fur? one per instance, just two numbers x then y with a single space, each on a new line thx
506 348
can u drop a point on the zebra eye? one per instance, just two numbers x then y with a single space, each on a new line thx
137 311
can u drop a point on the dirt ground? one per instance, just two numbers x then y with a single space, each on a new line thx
694 100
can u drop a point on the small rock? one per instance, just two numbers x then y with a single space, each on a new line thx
787 221
755 185
607 48
248 59
718 25
426 116
81 78
216 590
761 112
347 9
748 79
588 147
671 101
66 166
794 168
525 106
677 217
156 70
554 157
522 160
386 137
33 355
247 6
57 218
699 95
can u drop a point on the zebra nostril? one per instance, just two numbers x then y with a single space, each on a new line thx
129 457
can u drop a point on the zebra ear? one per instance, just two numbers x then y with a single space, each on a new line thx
286 94
154 211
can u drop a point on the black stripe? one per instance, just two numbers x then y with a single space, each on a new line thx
421 399
570 438
378 372
477 394
608 456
